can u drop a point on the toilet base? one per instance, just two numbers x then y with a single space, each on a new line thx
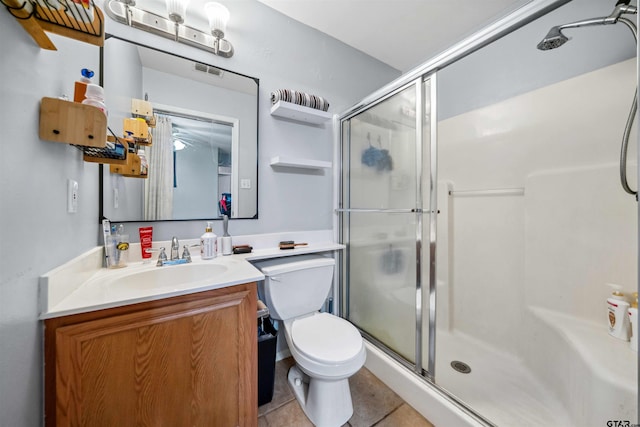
326 403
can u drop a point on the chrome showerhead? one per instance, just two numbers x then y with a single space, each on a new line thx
553 39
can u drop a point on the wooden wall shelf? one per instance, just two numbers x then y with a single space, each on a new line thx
68 19
140 108
139 130
131 169
105 156
72 123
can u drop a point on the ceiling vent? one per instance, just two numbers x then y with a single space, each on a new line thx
208 69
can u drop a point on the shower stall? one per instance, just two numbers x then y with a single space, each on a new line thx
480 237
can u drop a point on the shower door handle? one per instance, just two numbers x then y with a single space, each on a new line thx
365 210
357 210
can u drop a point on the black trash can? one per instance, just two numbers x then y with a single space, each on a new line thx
267 338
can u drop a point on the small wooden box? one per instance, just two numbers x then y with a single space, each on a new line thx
130 169
141 108
72 123
139 128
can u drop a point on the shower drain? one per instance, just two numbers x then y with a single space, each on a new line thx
461 367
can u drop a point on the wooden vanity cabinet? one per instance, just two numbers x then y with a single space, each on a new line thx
183 361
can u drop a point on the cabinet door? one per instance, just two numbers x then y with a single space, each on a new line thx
186 364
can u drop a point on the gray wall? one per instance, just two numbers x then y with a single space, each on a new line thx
513 65
36 232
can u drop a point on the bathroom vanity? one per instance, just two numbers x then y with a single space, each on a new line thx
185 360
146 345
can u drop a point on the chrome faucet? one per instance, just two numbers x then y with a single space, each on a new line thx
162 257
175 248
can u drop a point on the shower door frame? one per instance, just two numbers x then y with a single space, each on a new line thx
519 18
418 210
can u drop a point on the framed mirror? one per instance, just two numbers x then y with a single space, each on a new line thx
203 160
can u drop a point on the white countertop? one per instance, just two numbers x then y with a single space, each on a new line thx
82 285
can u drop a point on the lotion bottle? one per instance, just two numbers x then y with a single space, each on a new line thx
633 322
80 87
617 311
208 243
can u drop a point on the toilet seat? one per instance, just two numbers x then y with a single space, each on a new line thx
326 338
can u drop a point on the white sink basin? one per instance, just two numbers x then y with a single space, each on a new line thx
173 277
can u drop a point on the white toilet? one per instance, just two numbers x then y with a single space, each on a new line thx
327 349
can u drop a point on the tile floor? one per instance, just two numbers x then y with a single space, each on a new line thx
374 404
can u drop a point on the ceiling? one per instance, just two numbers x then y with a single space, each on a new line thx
400 33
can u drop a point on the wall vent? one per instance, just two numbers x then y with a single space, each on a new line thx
209 69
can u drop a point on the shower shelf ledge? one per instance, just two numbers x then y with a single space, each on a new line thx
294 162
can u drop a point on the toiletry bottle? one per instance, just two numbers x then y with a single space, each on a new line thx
617 311
80 86
633 322
144 165
106 234
208 243
225 241
94 95
122 247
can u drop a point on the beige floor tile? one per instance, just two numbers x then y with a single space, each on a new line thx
262 422
373 404
288 415
281 392
372 399
404 416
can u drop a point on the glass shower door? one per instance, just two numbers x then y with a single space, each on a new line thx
383 222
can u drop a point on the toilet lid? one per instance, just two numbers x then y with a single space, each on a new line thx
326 338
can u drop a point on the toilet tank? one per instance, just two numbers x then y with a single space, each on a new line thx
296 285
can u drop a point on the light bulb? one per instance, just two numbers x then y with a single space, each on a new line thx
218 16
178 145
177 10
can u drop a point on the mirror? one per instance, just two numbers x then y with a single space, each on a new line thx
203 159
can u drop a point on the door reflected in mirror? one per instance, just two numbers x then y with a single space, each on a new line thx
203 157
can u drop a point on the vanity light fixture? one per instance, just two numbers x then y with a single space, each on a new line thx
173 27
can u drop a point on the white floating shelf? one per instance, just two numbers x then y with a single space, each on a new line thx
300 113
292 162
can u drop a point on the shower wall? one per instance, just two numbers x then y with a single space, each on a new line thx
528 269
574 228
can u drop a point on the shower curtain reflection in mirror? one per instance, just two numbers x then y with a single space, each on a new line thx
158 188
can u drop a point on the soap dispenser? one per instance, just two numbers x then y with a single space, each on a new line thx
633 322
208 243
617 311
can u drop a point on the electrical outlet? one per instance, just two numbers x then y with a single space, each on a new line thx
245 183
72 196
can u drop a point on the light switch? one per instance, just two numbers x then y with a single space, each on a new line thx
245 183
72 196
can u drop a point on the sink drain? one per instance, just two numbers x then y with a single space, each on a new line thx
461 367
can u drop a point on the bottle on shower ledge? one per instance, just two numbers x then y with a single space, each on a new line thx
633 322
617 312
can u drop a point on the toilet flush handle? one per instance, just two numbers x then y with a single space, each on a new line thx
276 278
